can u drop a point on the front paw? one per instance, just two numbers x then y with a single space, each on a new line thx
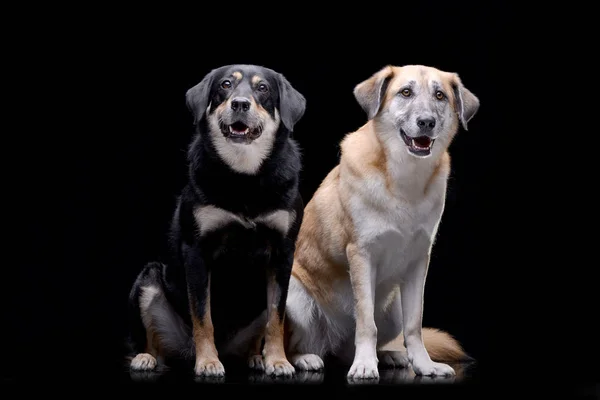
143 362
278 367
431 368
363 369
209 367
256 362
307 362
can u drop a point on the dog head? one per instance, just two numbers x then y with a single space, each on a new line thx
418 104
245 107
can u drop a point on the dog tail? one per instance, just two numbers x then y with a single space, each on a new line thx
440 345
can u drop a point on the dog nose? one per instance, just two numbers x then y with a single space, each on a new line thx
426 124
240 104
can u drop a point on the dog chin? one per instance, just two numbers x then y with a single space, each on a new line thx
418 146
240 133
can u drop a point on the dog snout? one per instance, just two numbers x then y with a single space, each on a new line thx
240 104
426 124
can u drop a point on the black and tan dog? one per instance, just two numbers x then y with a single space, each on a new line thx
233 231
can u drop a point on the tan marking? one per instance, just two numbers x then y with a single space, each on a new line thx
222 107
256 79
203 332
273 349
237 75
264 115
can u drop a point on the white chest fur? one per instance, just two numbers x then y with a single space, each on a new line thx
397 228
209 218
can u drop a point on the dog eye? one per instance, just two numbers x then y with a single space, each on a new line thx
226 84
439 95
406 92
262 87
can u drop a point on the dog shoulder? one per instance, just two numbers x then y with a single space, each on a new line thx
362 155
365 181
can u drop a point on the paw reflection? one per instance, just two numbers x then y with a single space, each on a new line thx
309 376
145 376
209 379
398 376
434 379
302 377
363 381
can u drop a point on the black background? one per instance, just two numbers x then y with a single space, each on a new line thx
104 167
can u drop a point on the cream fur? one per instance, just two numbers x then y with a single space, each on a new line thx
366 238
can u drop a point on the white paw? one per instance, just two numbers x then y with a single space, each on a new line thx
307 362
364 369
143 362
393 359
256 362
279 367
431 368
209 367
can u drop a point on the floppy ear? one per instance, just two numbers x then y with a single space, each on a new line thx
197 97
466 102
292 104
369 94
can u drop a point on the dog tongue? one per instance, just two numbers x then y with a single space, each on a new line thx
422 141
238 128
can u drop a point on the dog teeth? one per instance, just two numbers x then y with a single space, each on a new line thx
414 144
245 131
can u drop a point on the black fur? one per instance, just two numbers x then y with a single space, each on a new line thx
239 259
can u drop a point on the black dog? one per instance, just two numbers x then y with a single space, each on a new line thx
233 231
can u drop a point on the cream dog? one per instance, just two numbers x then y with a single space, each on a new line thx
364 246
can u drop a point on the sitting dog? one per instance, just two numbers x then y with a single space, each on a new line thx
233 231
364 245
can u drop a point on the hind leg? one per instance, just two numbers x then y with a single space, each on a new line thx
143 344
255 357
306 344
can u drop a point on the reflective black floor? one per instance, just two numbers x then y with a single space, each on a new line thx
331 376
471 381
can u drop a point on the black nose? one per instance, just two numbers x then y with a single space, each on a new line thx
240 104
426 124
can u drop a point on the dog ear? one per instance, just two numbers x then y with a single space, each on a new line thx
292 104
369 94
465 101
197 97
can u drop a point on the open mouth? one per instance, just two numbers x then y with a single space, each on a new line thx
239 132
419 146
